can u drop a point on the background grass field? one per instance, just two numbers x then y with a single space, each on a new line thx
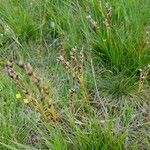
103 101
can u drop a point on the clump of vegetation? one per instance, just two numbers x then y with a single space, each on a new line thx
45 107
93 96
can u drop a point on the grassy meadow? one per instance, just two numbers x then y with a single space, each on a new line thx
74 74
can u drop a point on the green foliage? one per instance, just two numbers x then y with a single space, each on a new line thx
114 35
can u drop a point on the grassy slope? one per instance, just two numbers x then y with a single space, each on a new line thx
39 31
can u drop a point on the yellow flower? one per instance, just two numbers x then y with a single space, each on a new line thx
18 96
26 101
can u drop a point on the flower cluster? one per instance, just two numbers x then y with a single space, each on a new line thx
93 23
144 73
148 36
75 66
25 100
108 15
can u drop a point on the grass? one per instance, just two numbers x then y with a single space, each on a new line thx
100 86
